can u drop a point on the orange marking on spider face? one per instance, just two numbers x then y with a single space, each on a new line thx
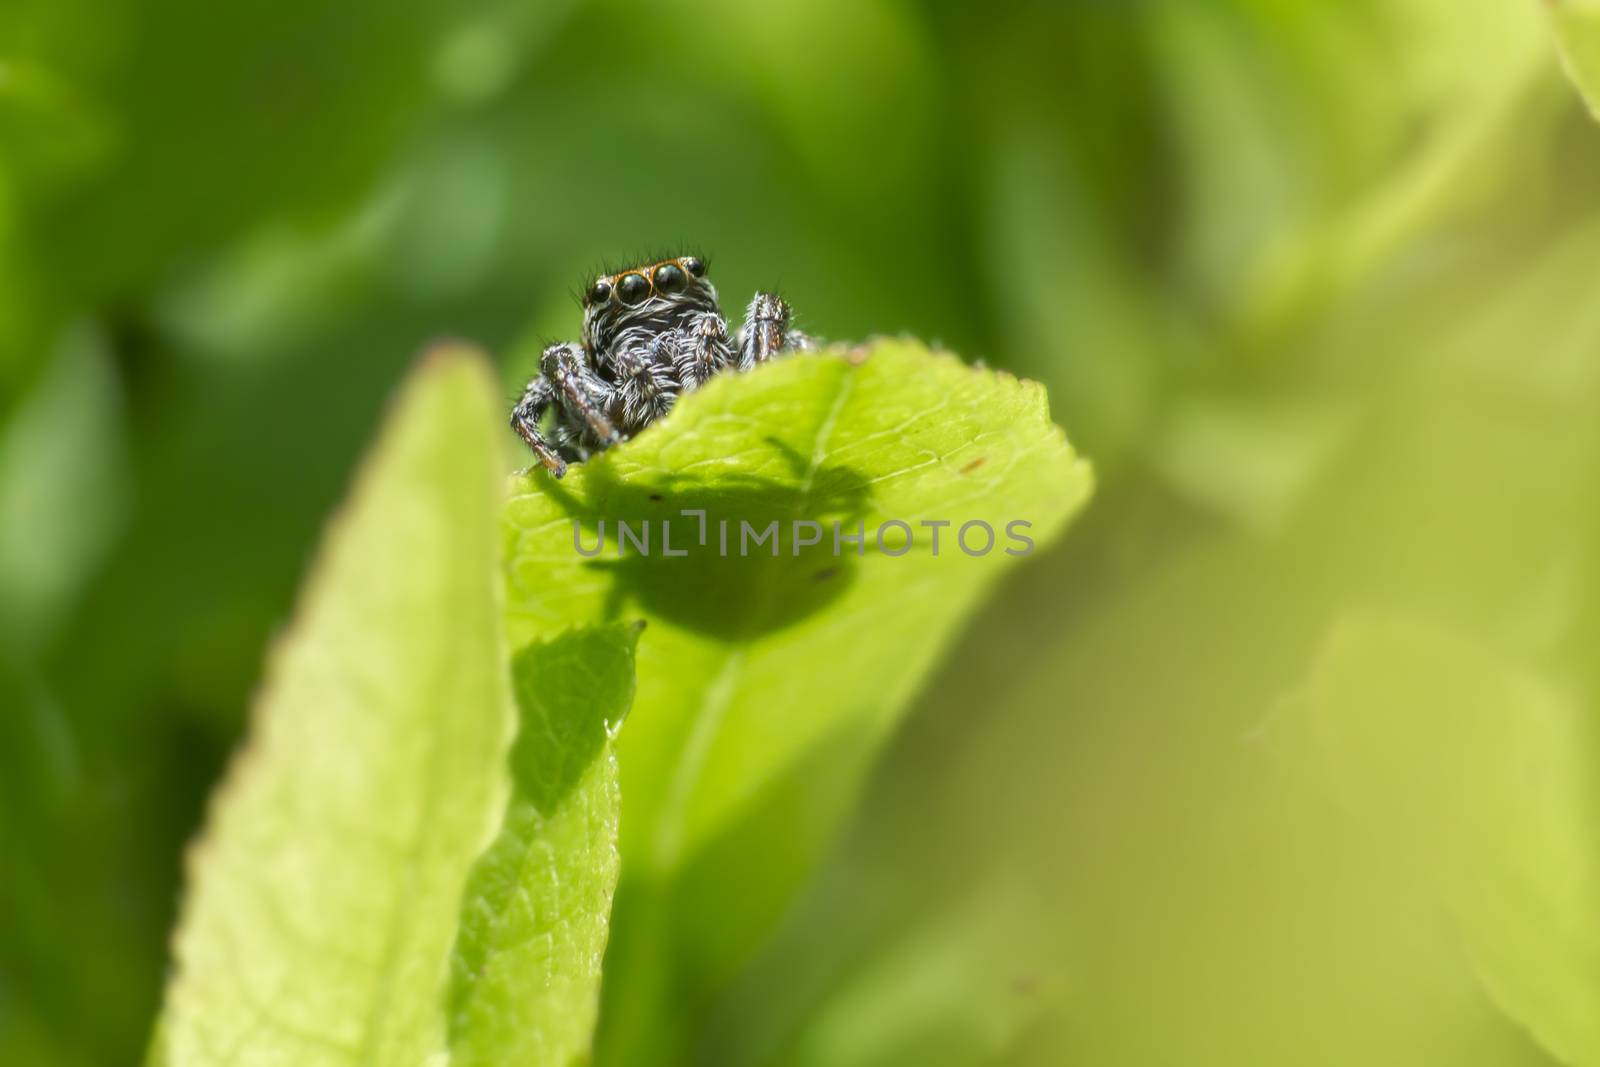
647 271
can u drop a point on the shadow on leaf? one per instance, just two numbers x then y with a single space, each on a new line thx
740 572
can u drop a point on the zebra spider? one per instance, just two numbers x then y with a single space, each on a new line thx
650 333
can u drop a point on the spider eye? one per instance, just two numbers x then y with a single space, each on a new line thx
696 266
598 293
633 288
669 278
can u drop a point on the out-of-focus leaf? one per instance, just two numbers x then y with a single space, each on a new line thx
325 895
62 491
873 978
1577 24
1228 913
1302 172
957 991
1077 318
47 128
1485 773
878 71
303 106
1253 460
526 970
743 754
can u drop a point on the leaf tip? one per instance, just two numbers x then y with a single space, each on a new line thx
444 350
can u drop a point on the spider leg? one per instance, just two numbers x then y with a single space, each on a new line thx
536 398
702 350
582 393
647 380
766 332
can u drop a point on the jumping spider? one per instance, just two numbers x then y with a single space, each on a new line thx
649 333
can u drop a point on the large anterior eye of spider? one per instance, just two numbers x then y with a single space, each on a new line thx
633 288
696 266
669 278
598 293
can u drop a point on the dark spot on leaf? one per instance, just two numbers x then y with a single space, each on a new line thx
974 465
657 497
824 574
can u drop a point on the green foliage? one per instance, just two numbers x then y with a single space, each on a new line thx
526 971
959 986
328 885
325 895
61 496
1474 770
1310 283
742 756
1577 25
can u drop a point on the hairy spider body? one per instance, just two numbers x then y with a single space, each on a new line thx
650 333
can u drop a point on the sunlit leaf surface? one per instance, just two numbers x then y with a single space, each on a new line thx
526 976
324 896
771 672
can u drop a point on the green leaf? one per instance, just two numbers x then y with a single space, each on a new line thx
526 980
768 681
1303 176
1577 25
1481 773
959 989
63 487
869 977
325 896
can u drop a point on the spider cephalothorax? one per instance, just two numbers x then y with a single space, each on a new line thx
649 333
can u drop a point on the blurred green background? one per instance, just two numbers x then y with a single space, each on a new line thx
1284 756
